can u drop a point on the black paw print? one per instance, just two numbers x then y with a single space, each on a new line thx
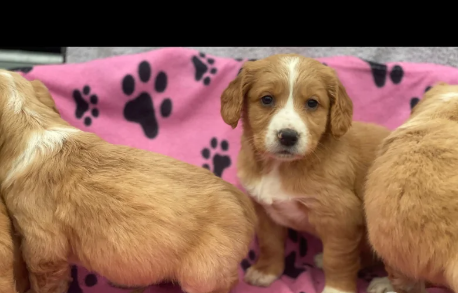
219 161
25 69
80 98
379 73
141 109
90 281
414 101
201 68
291 270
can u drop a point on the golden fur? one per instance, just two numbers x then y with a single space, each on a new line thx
317 188
13 271
133 216
411 198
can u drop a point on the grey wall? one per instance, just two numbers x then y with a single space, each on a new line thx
439 55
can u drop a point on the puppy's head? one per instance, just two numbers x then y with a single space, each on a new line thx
441 101
288 102
18 94
43 95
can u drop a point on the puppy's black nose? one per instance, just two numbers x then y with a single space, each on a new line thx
288 137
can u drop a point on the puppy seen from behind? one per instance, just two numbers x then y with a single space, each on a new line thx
303 161
132 216
411 198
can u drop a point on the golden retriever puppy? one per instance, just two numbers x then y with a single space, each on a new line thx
411 198
133 216
304 163
13 272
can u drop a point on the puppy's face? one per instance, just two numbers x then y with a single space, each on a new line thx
289 102
441 101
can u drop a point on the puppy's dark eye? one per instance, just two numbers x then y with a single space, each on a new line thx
267 100
312 103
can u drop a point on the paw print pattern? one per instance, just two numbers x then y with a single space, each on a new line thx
296 238
89 281
414 101
291 269
380 71
82 105
202 66
219 161
141 109
247 262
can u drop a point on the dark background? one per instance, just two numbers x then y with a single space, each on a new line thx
36 49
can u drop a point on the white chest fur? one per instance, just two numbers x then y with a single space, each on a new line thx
282 207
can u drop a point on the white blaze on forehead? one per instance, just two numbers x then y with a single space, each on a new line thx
287 116
15 100
448 96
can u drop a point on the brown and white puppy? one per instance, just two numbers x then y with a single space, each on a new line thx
13 271
411 198
302 163
133 216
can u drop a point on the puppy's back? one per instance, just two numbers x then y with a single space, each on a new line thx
411 199
192 224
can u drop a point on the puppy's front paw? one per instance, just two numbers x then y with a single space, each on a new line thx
380 285
258 278
318 259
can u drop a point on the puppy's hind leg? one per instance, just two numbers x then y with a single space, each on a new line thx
7 284
12 269
403 284
451 275
197 278
46 259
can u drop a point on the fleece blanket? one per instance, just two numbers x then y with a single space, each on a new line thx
168 101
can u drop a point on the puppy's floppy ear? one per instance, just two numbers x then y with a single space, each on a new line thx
341 113
43 94
232 98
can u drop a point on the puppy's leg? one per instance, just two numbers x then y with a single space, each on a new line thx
403 284
271 260
7 252
7 284
21 274
380 285
195 285
341 260
46 259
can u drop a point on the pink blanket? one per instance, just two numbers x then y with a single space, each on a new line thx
168 101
